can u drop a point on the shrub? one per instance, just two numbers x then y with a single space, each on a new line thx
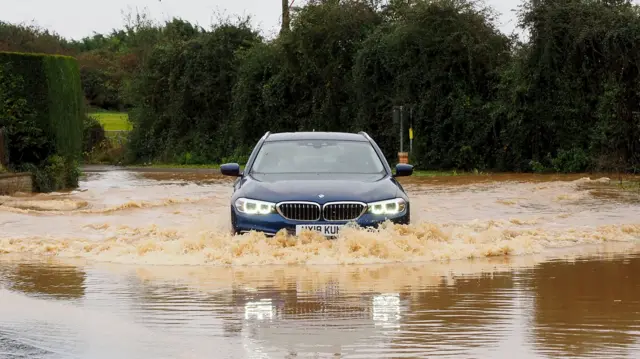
93 133
184 98
574 160
41 106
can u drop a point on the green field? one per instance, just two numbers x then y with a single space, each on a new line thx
113 121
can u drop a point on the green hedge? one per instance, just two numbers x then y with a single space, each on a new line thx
41 106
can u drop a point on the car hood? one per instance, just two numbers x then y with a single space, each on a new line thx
365 188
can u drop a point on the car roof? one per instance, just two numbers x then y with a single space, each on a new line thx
295 136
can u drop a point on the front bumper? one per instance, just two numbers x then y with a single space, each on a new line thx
273 223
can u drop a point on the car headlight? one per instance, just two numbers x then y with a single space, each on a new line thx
252 206
391 206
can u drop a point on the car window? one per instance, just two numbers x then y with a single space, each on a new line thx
317 156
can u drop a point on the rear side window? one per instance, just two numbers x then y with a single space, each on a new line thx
317 156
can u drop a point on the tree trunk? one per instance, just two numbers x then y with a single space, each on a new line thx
285 17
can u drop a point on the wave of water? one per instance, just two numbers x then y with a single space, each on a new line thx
392 243
142 221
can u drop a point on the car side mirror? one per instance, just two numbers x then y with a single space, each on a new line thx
230 169
403 170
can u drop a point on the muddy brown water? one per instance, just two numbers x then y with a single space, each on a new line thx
142 265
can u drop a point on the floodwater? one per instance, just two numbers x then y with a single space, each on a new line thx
142 265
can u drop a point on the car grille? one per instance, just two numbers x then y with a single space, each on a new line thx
343 211
300 211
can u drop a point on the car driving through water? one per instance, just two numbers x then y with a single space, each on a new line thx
318 181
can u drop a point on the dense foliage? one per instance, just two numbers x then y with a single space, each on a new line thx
569 98
184 99
41 109
564 100
440 60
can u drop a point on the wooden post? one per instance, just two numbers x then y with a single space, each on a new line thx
403 157
4 148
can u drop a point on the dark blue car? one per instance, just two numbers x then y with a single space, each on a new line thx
318 181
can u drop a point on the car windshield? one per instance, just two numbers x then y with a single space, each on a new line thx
317 156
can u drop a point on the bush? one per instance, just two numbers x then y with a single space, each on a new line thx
98 147
41 106
184 98
56 173
574 160
565 100
93 133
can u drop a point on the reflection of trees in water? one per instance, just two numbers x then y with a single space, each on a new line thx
64 282
586 306
469 313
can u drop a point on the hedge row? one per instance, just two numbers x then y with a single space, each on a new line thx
566 100
41 107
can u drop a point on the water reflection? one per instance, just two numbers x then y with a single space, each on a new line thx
586 308
54 281
460 316
570 308
260 310
386 310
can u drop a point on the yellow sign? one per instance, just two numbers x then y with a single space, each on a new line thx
411 133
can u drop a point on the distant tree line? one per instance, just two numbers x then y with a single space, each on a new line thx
566 99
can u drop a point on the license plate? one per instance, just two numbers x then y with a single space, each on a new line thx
327 230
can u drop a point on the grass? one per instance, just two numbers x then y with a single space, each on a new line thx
628 184
113 121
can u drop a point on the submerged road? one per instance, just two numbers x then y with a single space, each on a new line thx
141 265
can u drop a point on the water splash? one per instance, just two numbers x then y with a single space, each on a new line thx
421 242
186 224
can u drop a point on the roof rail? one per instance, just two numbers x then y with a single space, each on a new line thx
364 134
266 134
